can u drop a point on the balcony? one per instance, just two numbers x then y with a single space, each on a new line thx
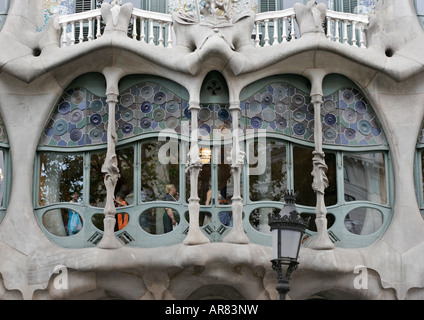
270 28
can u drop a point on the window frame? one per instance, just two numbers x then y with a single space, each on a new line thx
340 209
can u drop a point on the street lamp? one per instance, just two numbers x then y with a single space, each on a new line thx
287 229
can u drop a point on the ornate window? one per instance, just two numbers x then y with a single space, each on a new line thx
356 153
72 151
153 127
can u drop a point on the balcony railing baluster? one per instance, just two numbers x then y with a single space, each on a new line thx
340 27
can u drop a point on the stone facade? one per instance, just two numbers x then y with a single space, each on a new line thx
37 66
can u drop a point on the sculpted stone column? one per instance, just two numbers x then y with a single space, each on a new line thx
194 166
320 181
236 234
110 166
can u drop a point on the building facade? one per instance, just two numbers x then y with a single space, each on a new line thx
220 108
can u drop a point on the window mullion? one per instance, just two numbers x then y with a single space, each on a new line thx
214 173
137 173
86 178
340 178
290 167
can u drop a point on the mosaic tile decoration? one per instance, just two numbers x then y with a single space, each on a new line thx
80 117
358 123
281 109
74 120
52 7
214 121
347 117
148 107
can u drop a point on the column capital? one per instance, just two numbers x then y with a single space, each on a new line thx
194 105
235 106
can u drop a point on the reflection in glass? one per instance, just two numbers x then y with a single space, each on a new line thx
122 219
61 175
62 222
225 178
363 221
124 186
267 170
159 168
204 185
302 161
221 160
365 177
259 219
152 220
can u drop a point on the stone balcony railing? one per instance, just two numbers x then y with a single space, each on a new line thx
157 28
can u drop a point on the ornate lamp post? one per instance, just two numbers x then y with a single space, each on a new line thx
287 228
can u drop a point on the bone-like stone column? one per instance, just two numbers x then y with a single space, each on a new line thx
320 181
194 166
110 166
236 234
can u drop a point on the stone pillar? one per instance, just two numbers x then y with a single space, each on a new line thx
236 234
320 181
194 166
110 166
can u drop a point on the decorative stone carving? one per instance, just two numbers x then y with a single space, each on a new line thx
218 32
310 17
116 16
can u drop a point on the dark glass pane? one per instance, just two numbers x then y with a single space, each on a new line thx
225 176
312 225
159 170
61 176
62 222
204 218
124 187
302 162
267 170
158 220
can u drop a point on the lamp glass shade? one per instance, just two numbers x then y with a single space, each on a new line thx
290 243
274 234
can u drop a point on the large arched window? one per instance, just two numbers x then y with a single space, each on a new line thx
152 118
358 196
71 193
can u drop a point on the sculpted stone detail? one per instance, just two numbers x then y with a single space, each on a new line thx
209 33
310 17
116 16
